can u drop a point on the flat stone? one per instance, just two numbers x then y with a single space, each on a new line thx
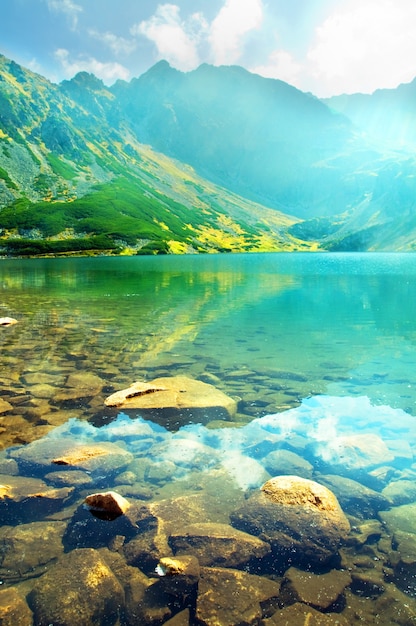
288 463
22 497
70 478
79 584
352 453
218 545
5 406
80 385
400 492
318 590
50 452
355 498
301 615
400 518
14 610
228 597
27 549
176 396
301 519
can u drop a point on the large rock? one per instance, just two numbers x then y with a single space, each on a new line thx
318 590
404 561
23 498
107 505
286 462
400 518
352 454
218 544
13 609
355 498
227 597
176 400
51 452
79 589
301 615
301 519
27 549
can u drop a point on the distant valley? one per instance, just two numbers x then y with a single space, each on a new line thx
214 160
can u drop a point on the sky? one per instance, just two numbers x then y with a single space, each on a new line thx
326 47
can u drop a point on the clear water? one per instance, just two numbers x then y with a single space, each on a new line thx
314 346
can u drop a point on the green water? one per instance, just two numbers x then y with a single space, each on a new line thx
326 342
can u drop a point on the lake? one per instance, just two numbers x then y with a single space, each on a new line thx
315 352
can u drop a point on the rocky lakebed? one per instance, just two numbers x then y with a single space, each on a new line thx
190 495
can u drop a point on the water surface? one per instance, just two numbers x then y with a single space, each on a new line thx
311 346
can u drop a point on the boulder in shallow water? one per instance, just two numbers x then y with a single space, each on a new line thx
318 590
104 458
348 454
301 519
229 597
178 397
218 545
13 609
355 498
23 498
27 549
301 615
79 589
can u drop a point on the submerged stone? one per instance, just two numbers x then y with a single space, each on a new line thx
14 610
300 615
355 498
301 519
318 590
23 498
107 505
176 397
288 463
228 597
404 561
218 545
102 457
5 406
26 550
353 453
400 518
79 589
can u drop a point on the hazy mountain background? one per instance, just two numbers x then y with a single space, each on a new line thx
217 159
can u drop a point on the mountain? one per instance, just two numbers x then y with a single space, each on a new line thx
217 159
387 115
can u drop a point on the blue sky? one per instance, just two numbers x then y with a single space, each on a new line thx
323 46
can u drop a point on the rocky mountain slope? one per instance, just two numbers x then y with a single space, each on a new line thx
217 159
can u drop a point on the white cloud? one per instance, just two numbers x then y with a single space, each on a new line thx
118 45
176 40
108 72
281 65
364 45
69 8
230 27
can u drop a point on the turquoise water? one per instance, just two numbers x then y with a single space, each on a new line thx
315 349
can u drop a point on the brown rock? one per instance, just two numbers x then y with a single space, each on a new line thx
179 575
22 498
218 545
27 549
13 609
106 457
301 615
80 385
108 503
5 406
79 589
227 597
176 396
301 519
317 590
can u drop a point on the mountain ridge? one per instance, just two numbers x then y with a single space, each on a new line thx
217 159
